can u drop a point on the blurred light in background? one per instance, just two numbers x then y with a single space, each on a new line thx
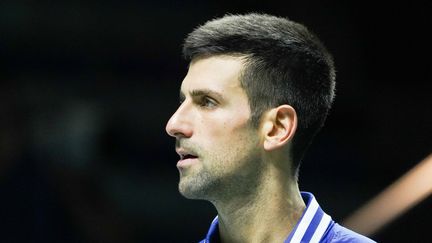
398 198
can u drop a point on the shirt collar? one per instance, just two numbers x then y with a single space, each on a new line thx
313 223
311 227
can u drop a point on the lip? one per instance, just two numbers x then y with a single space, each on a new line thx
183 163
185 159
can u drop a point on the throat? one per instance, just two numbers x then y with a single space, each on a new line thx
267 217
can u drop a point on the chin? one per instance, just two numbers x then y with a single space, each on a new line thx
187 192
191 190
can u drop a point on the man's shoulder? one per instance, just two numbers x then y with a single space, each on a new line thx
341 234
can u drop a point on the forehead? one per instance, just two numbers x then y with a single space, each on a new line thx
219 73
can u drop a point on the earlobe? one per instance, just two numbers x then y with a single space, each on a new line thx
279 126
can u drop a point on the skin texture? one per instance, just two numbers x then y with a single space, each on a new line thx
212 122
243 170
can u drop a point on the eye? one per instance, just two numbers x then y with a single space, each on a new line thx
208 102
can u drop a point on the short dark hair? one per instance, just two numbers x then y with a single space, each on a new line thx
285 64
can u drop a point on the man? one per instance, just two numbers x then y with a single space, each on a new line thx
258 89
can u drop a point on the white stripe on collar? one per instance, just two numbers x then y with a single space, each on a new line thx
314 231
305 221
319 232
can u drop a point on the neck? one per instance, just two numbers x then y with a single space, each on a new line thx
268 214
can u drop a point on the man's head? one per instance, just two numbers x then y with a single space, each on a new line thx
273 63
285 64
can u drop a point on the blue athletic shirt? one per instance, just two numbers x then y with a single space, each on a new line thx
313 226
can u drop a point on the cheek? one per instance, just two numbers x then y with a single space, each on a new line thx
226 138
225 125
224 133
231 144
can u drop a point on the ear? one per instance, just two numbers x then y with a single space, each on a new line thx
279 126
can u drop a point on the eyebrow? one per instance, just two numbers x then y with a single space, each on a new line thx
202 92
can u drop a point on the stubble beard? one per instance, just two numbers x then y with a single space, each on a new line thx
217 184
229 172
199 186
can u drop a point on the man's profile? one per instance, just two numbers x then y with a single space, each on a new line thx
258 89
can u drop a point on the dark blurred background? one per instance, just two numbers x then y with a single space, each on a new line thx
88 86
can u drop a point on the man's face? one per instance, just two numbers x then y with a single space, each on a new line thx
218 146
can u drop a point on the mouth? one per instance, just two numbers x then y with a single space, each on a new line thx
186 158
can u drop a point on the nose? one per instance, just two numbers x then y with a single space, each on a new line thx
180 123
